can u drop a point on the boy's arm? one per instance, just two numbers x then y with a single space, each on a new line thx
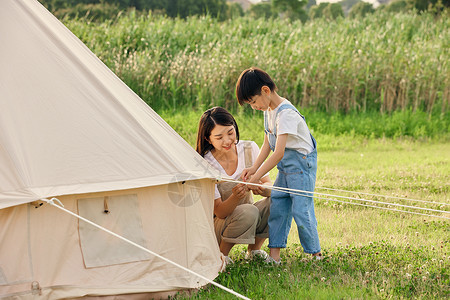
263 153
273 160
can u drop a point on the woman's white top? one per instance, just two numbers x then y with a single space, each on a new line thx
240 166
289 122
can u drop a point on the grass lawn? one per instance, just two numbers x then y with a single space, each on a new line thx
370 253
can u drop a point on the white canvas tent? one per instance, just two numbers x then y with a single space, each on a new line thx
69 128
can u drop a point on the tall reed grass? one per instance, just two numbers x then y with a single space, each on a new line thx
383 62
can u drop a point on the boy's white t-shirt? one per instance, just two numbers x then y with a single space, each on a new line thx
289 122
241 162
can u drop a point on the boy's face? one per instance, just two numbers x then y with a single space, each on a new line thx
262 101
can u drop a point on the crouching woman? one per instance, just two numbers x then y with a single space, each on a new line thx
237 220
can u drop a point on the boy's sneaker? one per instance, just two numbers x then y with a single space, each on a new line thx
318 257
271 261
256 253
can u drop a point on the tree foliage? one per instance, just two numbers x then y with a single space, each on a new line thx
316 11
348 4
361 9
419 6
99 10
330 11
172 8
310 4
261 10
333 11
93 11
290 9
234 10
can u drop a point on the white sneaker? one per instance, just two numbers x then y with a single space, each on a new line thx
256 253
270 260
228 261
318 257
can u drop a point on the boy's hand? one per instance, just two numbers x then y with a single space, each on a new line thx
247 173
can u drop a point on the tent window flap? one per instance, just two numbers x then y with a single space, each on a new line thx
119 214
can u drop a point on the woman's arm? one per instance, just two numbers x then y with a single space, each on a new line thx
223 209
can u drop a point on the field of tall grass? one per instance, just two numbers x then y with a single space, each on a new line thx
380 63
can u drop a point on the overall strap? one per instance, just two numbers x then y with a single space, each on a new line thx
248 155
266 123
283 107
287 106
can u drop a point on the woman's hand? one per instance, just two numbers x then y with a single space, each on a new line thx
263 190
240 190
259 190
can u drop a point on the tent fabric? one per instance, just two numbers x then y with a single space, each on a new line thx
42 245
69 125
71 129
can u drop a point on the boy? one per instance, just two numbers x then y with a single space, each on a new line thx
294 154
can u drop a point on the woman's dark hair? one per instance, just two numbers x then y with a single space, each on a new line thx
210 118
250 83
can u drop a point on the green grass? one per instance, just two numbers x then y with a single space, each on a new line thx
379 63
370 253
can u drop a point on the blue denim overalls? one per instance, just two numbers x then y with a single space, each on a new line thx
295 171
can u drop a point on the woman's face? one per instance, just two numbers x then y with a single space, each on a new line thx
223 138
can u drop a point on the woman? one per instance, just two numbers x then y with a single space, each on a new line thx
237 220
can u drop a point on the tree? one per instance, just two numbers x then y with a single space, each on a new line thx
310 4
233 10
348 4
361 9
261 10
291 9
333 11
185 8
395 6
316 11
421 5
435 6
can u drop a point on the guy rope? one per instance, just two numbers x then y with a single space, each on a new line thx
330 197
